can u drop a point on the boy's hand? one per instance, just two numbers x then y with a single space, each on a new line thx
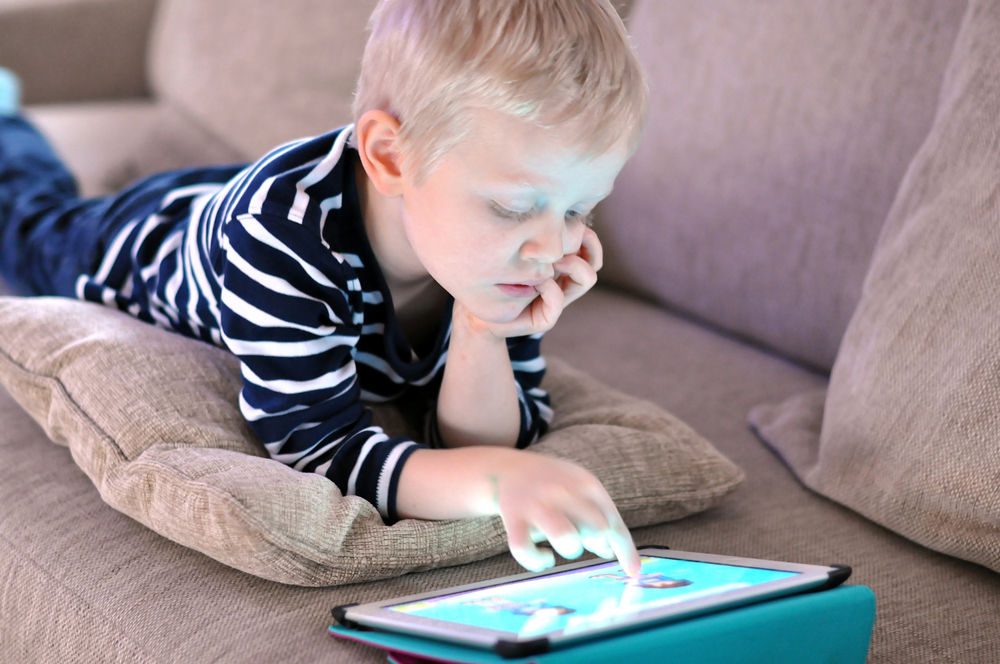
540 498
575 274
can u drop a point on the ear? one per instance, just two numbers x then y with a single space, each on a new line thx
377 134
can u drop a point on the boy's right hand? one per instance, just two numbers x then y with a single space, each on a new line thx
541 498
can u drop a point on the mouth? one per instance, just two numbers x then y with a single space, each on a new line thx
518 290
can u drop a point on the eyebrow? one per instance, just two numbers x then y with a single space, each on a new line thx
521 183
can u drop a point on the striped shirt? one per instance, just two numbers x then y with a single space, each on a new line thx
271 261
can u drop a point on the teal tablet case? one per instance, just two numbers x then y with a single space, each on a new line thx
828 627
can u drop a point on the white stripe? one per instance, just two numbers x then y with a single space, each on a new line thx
274 447
252 414
374 328
544 412
333 203
371 297
529 366
111 257
261 234
170 243
379 364
259 196
81 282
275 284
323 169
430 376
251 173
385 477
195 270
289 348
326 381
353 260
189 191
263 319
320 451
352 481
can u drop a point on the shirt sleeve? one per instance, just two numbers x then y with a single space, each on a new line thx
291 312
535 404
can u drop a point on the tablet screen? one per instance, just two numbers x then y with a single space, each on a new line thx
580 599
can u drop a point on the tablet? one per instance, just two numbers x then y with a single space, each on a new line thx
530 613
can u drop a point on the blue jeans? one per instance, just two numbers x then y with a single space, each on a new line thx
49 236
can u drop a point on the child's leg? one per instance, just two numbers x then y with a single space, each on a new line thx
44 235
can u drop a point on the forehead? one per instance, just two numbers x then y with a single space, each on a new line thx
505 151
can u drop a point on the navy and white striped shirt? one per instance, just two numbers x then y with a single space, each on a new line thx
272 262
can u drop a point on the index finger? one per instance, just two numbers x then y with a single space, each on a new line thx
591 249
624 548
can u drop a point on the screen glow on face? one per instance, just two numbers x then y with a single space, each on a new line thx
579 600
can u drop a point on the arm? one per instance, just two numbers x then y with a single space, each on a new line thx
477 372
537 497
287 311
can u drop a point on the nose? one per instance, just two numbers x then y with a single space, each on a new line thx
548 241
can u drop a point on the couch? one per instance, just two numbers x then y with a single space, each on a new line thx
738 241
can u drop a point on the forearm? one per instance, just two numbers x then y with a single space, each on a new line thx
477 403
451 484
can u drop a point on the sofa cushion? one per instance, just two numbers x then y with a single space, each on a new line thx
779 133
152 418
86 583
910 422
106 145
258 73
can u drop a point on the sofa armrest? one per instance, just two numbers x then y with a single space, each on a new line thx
75 50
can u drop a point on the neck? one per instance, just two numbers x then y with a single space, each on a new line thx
383 220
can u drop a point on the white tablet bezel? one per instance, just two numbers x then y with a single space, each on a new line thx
376 615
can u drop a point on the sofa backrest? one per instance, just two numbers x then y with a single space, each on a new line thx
258 73
779 133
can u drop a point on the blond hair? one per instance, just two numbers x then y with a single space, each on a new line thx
429 62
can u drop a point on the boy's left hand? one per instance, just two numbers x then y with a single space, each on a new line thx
575 274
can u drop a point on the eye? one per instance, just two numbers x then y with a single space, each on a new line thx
501 211
585 219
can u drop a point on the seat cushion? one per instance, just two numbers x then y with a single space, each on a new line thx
153 419
779 133
85 582
910 424
106 145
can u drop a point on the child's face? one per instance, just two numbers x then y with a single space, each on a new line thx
462 222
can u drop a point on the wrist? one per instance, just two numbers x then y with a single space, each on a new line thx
467 326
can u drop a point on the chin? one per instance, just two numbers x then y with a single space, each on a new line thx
498 312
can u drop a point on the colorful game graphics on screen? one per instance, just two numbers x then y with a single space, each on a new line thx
580 599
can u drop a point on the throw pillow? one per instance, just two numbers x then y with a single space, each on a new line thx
153 419
910 431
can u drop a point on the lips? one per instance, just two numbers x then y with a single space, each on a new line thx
518 290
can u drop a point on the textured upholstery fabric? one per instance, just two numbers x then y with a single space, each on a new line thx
778 135
911 422
75 50
152 418
108 144
86 583
258 73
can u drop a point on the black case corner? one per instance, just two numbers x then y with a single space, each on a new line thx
836 577
517 649
340 615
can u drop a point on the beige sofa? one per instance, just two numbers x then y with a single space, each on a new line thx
738 240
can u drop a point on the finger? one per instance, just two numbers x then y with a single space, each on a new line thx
592 250
522 547
561 533
545 310
624 548
575 276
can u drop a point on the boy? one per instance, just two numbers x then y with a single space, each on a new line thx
424 249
